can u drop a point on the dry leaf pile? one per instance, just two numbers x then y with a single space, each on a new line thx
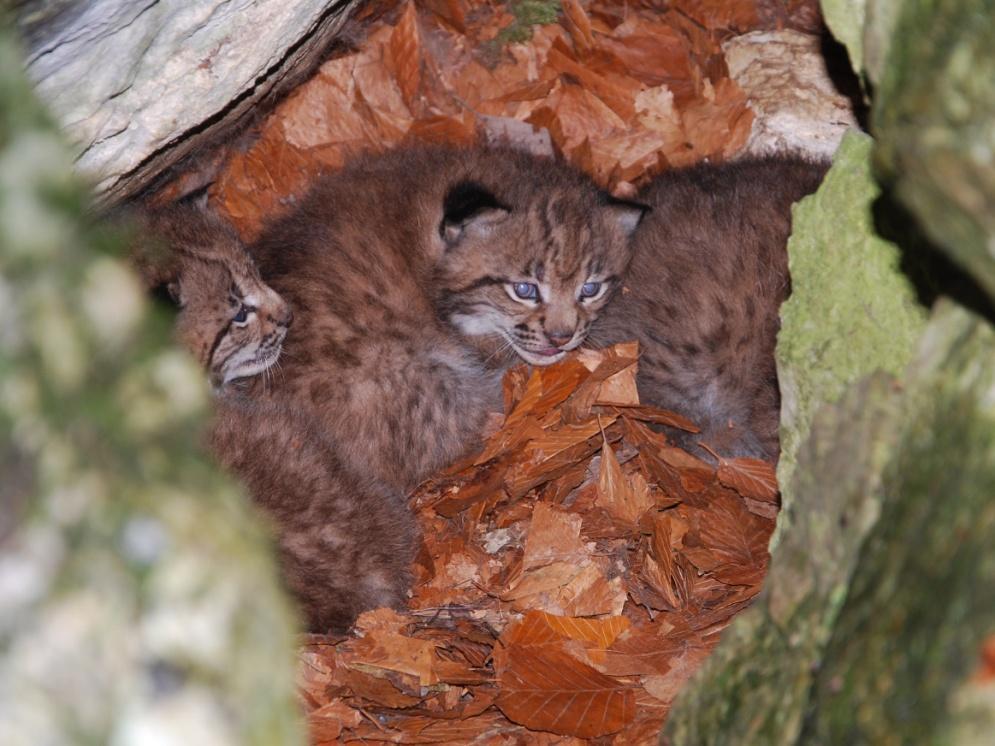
575 573
622 90
578 571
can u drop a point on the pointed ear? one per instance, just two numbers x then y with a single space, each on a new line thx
469 209
625 214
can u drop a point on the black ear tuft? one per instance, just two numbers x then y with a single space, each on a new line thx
467 198
468 205
626 214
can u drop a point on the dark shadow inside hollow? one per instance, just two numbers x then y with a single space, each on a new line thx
845 80
933 274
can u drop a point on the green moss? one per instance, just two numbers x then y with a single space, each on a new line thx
933 119
528 13
852 310
915 617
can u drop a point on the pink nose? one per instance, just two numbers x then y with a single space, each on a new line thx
559 338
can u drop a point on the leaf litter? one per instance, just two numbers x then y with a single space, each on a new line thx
622 90
565 590
579 569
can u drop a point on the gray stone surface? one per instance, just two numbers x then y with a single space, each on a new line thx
795 103
139 599
139 85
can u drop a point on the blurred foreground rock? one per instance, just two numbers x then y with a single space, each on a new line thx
140 601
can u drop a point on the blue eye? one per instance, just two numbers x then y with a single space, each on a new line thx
242 315
526 290
590 289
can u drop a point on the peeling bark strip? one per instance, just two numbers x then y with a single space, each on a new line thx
140 86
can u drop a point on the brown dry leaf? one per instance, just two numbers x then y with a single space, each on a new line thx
734 16
718 124
618 495
418 729
589 593
545 688
659 576
316 671
652 414
376 690
574 115
681 667
538 628
618 93
652 650
750 477
650 51
399 653
612 375
578 25
554 536
537 587
406 55
327 722
536 469
728 541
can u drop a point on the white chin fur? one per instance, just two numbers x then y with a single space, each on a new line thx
248 368
473 326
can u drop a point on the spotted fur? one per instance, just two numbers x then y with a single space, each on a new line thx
702 297
399 268
345 540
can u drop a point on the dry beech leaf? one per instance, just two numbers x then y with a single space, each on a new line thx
554 536
578 25
405 52
750 477
652 414
538 628
729 542
545 688
398 653
618 495
326 723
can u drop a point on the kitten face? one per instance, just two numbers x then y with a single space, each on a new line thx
231 321
537 277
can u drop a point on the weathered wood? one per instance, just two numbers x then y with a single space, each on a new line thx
140 86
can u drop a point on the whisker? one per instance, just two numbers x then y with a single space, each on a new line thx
502 348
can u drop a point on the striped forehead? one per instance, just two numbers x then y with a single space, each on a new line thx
564 254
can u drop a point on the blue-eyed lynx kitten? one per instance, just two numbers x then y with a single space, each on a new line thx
345 540
417 276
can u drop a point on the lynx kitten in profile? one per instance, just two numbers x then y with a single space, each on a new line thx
417 276
345 542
